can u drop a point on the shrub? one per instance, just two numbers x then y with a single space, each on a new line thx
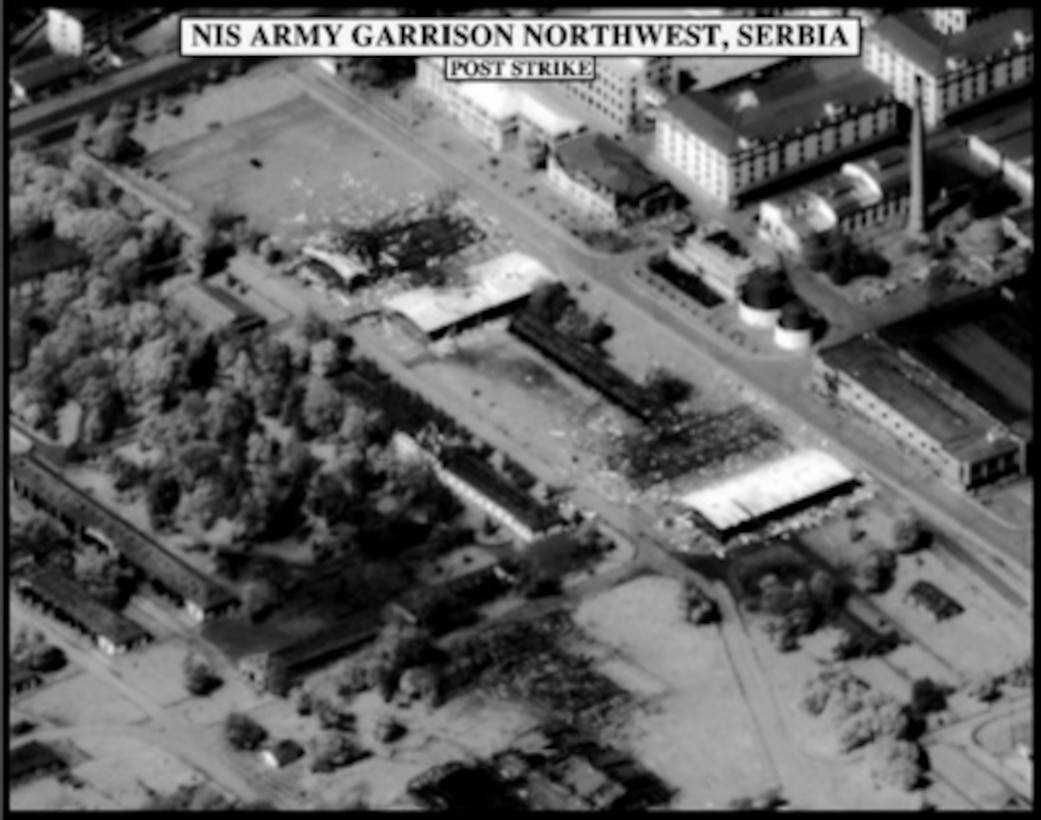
244 733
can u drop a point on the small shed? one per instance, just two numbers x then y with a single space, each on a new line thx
281 754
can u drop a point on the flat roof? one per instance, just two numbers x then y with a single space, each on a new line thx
784 102
608 164
549 117
769 488
494 283
913 36
960 425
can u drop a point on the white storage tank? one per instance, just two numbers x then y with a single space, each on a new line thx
761 299
794 329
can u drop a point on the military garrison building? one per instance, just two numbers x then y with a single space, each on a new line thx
954 385
732 144
48 491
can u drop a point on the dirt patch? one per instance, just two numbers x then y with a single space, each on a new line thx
642 620
82 699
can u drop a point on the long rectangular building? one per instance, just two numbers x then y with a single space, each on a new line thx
730 145
48 490
957 70
953 386
111 631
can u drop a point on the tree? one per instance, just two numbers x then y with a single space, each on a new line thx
259 597
327 499
244 733
876 570
881 718
162 495
323 406
928 696
45 658
550 301
907 533
897 763
985 688
42 540
232 417
824 590
199 677
775 598
666 389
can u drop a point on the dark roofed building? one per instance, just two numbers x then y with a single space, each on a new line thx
814 113
216 309
476 481
954 386
957 70
607 180
276 671
111 631
201 596
33 759
49 73
35 260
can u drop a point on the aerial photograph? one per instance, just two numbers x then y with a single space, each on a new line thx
515 428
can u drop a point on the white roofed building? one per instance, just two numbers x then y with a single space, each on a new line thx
494 112
495 288
772 491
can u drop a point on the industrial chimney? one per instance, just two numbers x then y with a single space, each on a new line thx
916 218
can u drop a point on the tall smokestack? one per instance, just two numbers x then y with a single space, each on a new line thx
916 227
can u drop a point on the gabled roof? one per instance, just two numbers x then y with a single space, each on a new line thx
912 35
608 164
140 550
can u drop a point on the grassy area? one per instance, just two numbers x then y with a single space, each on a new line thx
314 169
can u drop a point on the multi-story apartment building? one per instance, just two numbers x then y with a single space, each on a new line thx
953 21
625 88
958 70
817 113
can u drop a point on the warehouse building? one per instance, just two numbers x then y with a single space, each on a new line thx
496 288
816 113
958 71
769 492
952 386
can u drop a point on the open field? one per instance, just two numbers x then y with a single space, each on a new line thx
78 700
315 169
670 734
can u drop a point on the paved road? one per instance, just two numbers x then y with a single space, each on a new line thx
783 382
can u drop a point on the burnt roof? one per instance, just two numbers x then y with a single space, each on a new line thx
338 637
782 104
144 552
608 165
67 596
